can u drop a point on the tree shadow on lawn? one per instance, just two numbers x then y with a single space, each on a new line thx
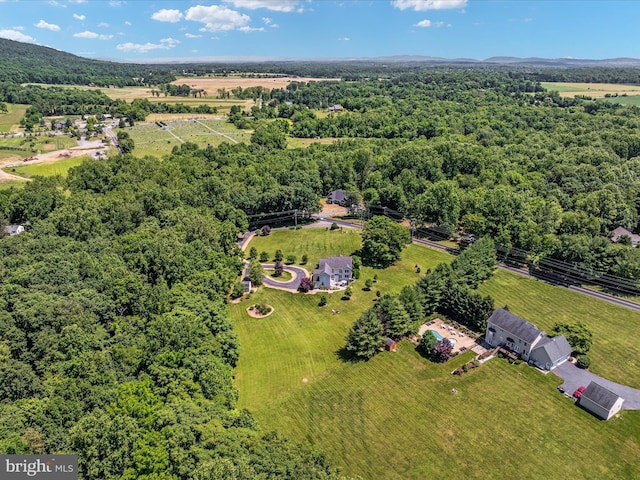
346 356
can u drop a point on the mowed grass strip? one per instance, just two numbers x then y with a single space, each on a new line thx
11 120
615 353
61 167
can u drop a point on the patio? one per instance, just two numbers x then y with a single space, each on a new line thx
462 340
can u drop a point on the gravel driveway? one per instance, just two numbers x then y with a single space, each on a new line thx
574 377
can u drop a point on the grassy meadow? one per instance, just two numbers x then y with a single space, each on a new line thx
61 167
150 139
596 90
10 121
395 417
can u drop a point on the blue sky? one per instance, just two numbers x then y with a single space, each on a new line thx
173 29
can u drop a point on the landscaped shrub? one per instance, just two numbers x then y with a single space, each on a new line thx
347 294
356 274
278 256
266 230
368 284
305 259
291 259
278 269
334 226
583 361
253 253
323 301
305 285
264 256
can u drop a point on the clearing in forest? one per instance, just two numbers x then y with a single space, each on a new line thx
596 90
395 416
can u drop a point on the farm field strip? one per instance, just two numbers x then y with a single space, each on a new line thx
11 120
567 89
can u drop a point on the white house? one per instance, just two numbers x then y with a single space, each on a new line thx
332 271
600 401
522 337
13 229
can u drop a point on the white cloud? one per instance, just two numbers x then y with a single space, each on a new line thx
165 44
423 23
422 5
191 35
104 25
55 3
128 23
16 35
20 28
344 39
79 17
167 15
115 3
217 18
251 29
269 22
88 34
275 5
47 26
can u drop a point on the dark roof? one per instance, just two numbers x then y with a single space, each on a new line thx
389 342
556 347
514 325
337 196
600 395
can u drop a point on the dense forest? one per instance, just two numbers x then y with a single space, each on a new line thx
115 342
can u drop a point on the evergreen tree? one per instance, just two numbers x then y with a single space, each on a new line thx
365 337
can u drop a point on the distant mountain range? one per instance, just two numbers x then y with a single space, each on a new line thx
25 62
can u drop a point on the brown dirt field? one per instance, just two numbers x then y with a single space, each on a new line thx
332 208
212 84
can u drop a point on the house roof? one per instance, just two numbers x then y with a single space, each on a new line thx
13 229
556 347
389 342
620 231
600 395
325 265
337 196
514 325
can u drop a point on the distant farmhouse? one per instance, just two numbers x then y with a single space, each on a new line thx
333 272
337 196
600 401
622 232
335 108
13 230
522 337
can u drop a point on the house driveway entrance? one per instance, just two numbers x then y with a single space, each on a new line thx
575 377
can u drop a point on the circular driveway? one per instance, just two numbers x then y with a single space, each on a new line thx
297 273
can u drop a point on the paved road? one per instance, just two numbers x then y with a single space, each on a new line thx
575 377
292 285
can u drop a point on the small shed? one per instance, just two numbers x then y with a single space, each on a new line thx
247 286
600 401
390 344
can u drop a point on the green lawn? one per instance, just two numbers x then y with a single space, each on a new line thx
284 277
615 353
12 118
395 416
60 167
8 185
628 100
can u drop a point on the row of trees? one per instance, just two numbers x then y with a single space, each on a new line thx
447 289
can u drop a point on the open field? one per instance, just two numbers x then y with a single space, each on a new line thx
9 122
615 353
628 100
13 183
150 139
47 169
595 90
394 416
212 84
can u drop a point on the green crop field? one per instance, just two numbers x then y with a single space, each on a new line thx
61 167
395 417
12 119
626 100
150 139
615 353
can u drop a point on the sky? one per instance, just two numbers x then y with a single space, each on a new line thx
163 30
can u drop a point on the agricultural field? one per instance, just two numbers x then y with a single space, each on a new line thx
595 90
624 100
212 84
151 139
395 416
49 169
9 122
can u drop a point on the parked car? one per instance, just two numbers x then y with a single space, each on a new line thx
578 393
